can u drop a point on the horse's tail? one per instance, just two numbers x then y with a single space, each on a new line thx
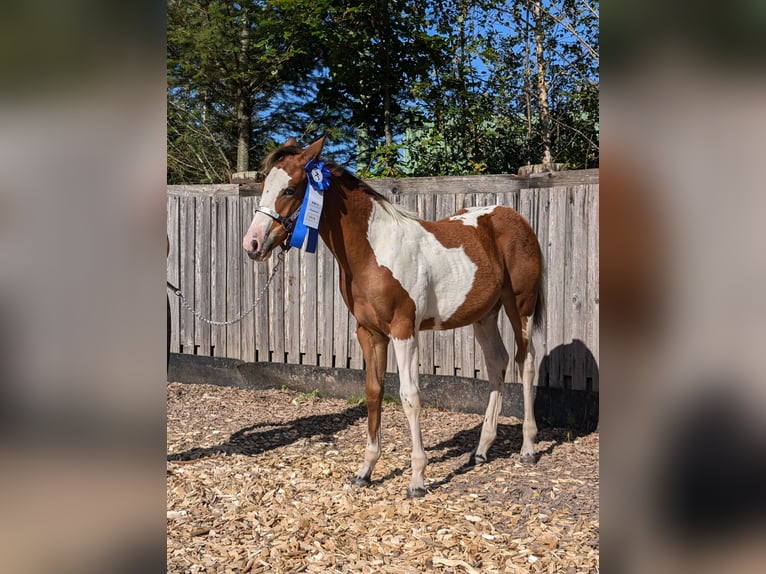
539 313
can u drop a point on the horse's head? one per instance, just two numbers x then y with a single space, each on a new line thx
281 198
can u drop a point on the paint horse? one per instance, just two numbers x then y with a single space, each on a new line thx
400 274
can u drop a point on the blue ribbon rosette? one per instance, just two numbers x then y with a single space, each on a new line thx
307 224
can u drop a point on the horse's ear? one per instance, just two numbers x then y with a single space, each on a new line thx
313 151
291 141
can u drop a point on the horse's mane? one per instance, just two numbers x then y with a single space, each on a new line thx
278 155
395 211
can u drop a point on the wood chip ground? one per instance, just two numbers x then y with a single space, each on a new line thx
259 481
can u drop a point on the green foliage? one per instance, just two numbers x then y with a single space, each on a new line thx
402 87
362 400
356 400
302 398
373 52
486 108
385 161
391 400
227 63
570 58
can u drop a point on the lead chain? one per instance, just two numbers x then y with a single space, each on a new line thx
198 315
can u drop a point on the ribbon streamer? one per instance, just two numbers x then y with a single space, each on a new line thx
307 225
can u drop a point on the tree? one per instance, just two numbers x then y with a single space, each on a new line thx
404 87
522 88
559 42
455 106
228 62
374 52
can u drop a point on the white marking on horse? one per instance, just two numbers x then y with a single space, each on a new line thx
276 181
406 351
471 217
435 277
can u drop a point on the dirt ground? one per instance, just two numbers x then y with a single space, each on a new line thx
260 481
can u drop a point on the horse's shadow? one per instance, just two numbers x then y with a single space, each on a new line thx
566 395
562 414
266 436
262 437
462 444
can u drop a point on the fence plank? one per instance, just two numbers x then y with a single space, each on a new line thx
233 272
173 271
308 308
592 333
202 240
186 279
498 183
542 219
292 316
340 320
557 252
577 285
566 358
218 291
249 271
276 312
325 304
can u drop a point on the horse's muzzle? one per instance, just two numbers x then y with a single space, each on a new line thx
262 252
259 256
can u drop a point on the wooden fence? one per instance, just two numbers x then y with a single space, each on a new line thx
302 318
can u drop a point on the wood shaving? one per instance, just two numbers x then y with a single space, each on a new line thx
260 482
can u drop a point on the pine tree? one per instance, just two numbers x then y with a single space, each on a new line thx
228 64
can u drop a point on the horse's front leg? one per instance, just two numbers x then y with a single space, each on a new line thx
375 350
409 392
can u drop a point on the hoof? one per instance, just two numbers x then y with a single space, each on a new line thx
476 459
528 459
361 481
416 492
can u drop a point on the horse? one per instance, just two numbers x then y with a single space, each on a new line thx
400 274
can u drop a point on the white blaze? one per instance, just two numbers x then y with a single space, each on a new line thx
435 277
471 217
277 180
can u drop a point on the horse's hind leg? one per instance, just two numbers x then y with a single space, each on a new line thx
527 380
496 358
525 360
375 350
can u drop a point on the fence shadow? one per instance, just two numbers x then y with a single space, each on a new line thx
266 436
567 393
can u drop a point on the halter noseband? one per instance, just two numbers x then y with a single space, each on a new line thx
288 223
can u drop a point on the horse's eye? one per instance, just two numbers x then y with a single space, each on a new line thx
289 190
